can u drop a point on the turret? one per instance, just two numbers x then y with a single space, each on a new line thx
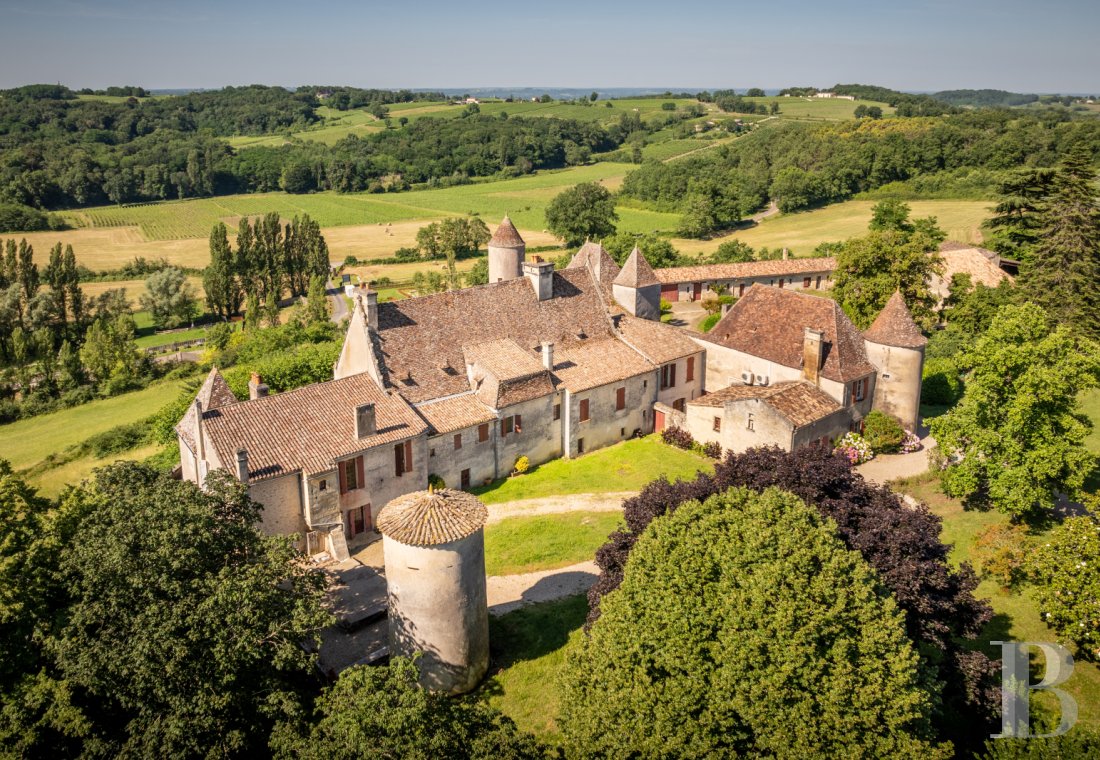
895 346
637 289
506 253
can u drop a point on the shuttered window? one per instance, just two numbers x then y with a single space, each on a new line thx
584 410
690 374
620 399
483 433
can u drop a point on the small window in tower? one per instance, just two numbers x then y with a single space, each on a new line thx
322 485
557 411
751 424
717 424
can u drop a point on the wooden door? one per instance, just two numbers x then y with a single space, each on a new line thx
465 480
658 421
698 291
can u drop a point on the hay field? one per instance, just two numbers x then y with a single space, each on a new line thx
801 232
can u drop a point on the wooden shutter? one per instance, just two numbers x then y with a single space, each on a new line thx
408 456
519 423
690 369
343 480
360 480
672 376
398 460
584 410
458 441
620 398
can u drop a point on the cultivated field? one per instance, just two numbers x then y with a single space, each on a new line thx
801 232
824 109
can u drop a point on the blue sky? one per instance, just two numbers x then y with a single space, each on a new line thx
917 45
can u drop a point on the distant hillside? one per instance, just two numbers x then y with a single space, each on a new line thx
907 104
985 98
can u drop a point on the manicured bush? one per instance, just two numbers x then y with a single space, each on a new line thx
678 437
883 433
709 322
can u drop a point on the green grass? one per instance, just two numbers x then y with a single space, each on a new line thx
546 542
25 443
815 109
527 648
53 481
1016 614
626 466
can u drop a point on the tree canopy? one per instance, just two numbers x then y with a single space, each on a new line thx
744 626
583 212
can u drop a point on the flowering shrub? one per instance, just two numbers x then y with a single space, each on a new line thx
678 437
854 448
1066 570
910 444
521 465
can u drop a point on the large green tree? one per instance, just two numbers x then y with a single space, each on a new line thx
169 297
383 712
583 212
1016 438
743 626
1064 270
1016 221
219 280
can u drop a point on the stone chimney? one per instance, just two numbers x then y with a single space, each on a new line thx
370 305
256 386
365 422
812 354
200 440
786 254
242 465
541 275
548 356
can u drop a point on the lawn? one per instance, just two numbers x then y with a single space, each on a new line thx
546 542
24 443
53 481
626 466
527 649
1016 614
801 232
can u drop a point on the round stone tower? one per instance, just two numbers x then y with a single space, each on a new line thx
434 547
895 346
506 253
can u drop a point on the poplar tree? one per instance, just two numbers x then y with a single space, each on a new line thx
223 292
1065 266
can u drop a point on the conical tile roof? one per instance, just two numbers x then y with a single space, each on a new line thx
637 273
894 326
430 518
506 235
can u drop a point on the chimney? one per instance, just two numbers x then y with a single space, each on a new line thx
786 254
242 465
365 423
812 345
256 386
200 441
370 304
548 356
725 309
541 275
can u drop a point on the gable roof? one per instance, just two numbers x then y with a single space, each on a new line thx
894 326
658 342
598 261
746 269
214 393
770 323
797 401
636 272
593 363
309 428
357 354
506 235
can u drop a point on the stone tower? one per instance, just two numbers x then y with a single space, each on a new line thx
506 252
895 346
434 547
637 289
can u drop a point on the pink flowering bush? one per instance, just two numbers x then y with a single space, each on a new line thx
854 448
910 444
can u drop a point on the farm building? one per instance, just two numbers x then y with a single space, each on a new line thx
694 283
984 267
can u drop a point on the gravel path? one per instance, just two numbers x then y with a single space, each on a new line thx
581 502
886 467
510 592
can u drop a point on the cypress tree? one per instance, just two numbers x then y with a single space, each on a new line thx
1065 268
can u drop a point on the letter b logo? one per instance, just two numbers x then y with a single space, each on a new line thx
1016 691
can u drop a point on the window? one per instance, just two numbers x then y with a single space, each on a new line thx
780 283
431 451
584 410
751 423
464 477
506 425
741 290
483 433
622 432
350 470
557 411
403 458
580 445
458 441
322 485
668 376
690 374
679 404
805 282
818 285
620 399
717 424
859 389
512 424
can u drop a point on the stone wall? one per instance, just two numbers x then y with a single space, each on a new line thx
685 389
281 498
606 425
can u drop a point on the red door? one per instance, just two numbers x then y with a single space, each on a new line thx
698 291
658 421
670 293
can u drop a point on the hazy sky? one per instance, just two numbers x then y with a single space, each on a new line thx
1048 46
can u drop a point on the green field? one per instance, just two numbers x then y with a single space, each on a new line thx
27 442
546 542
819 109
626 466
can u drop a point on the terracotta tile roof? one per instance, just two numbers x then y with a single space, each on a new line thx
770 323
746 269
894 326
658 342
422 338
214 393
506 235
503 358
454 413
972 261
597 362
636 272
598 260
799 402
426 518
308 428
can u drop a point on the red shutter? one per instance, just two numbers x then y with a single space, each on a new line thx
620 398
503 426
691 369
519 423
343 481
398 460
359 471
408 456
